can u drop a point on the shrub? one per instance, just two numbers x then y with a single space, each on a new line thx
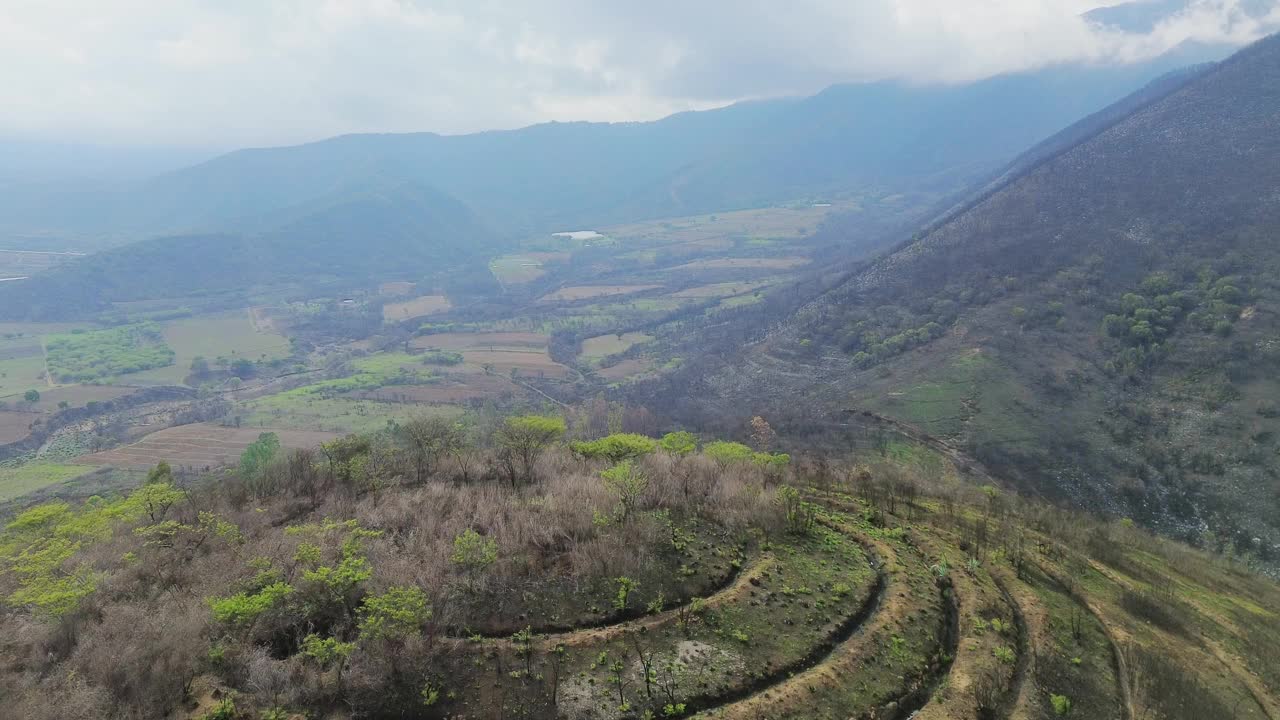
521 441
615 448
473 552
244 608
1061 704
679 443
396 614
629 484
727 453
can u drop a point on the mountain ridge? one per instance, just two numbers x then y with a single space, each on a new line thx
986 328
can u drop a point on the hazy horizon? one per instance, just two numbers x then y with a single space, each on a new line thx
190 75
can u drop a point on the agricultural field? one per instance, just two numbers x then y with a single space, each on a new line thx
524 267
396 288
18 375
15 425
586 292
451 389
102 354
197 446
599 347
628 369
78 396
337 415
417 307
720 290
231 336
482 340
769 263
771 222
22 263
18 481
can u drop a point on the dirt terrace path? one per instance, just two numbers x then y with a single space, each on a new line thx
1233 665
833 664
737 587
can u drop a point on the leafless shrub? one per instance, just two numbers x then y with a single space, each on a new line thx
144 657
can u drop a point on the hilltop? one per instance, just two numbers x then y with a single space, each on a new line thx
413 572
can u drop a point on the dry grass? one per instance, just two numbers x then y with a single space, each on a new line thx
482 341
585 292
16 425
197 446
780 263
415 308
396 288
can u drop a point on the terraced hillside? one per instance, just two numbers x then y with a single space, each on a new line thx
408 574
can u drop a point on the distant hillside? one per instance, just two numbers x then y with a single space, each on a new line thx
855 140
384 228
422 203
1102 326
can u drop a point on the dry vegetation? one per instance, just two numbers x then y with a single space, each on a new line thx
501 570
198 446
415 308
586 292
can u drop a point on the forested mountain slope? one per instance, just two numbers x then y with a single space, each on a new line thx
1103 327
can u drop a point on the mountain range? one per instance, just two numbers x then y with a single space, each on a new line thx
423 203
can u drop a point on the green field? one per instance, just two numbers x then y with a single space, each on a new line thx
516 269
231 336
290 411
20 375
16 482
102 354
325 405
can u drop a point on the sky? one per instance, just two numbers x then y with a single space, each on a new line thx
263 72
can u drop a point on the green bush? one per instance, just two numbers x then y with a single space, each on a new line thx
1061 704
727 453
615 448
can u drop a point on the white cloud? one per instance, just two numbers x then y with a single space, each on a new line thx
271 71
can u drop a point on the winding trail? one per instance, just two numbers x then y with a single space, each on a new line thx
831 664
735 586
1233 666
1019 702
1113 634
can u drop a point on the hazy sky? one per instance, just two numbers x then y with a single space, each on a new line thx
235 72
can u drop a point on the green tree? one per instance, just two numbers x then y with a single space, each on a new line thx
522 440
242 368
327 653
616 448
727 453
199 366
255 458
346 458
396 614
629 484
474 553
32 396
679 443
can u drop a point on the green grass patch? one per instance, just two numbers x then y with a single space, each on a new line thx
231 337
18 375
25 479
